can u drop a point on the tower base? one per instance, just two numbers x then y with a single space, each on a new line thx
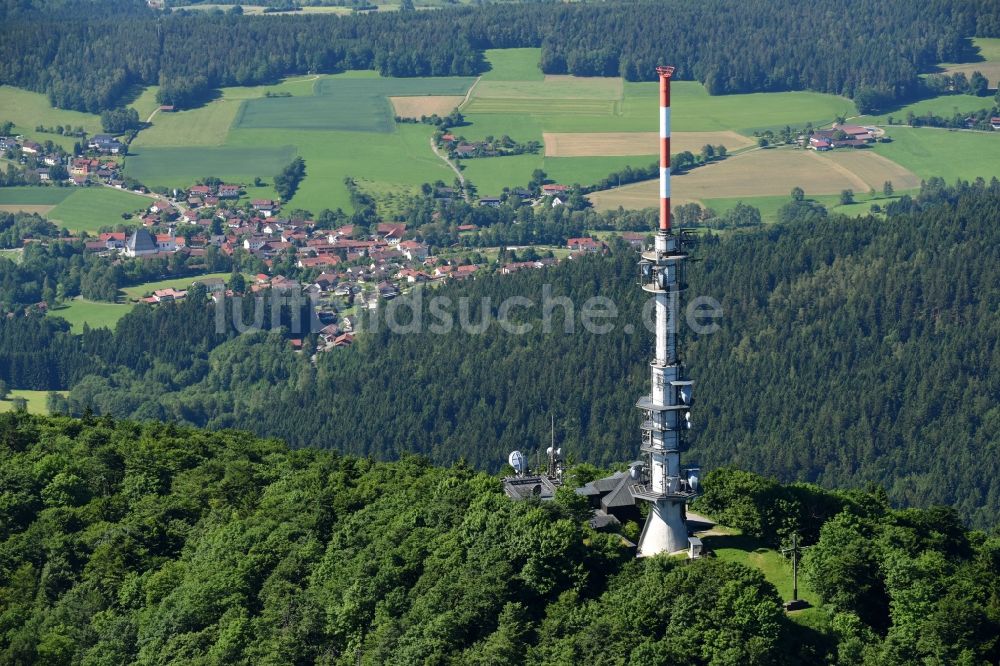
665 530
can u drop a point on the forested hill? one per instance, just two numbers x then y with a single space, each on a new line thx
850 351
839 46
154 544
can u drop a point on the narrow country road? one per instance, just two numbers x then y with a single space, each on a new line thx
454 168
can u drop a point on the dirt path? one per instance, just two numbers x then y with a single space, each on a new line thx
150 119
458 172
845 172
468 94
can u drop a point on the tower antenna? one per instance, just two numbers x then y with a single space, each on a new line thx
667 408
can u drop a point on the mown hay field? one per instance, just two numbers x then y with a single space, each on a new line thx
425 105
763 173
602 144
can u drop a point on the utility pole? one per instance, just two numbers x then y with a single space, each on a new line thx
795 550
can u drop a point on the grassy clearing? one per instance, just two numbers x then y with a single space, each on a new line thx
145 103
95 314
13 255
180 167
930 152
989 51
90 208
36 400
28 109
138 291
943 105
514 65
34 196
736 547
343 103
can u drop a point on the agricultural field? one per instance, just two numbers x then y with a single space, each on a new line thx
345 104
492 174
989 51
928 151
739 177
591 126
90 208
608 144
95 314
243 135
29 199
36 400
181 167
400 159
943 105
204 126
28 110
426 105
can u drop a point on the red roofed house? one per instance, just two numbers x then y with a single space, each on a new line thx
165 295
554 189
995 123
114 240
585 244
265 207
413 250
166 243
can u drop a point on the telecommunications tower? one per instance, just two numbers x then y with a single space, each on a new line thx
667 408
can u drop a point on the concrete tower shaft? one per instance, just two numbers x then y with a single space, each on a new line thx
667 407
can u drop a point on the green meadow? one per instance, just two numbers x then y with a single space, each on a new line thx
36 400
181 167
34 196
943 105
402 158
95 314
951 154
90 208
27 110
145 102
146 288
513 65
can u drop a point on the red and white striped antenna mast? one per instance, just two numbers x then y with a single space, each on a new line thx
665 73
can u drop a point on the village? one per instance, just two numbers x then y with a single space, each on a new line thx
340 270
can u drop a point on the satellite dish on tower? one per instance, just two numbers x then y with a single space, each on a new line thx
518 462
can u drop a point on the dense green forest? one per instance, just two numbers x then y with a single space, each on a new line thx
157 544
850 351
872 48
